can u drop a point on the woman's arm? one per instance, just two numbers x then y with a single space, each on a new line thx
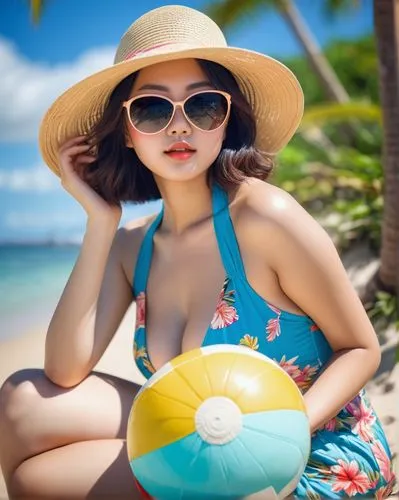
311 274
91 307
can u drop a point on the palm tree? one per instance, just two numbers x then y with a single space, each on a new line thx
227 12
386 17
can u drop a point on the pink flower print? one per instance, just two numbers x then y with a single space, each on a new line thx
364 418
251 342
350 478
332 425
288 365
140 310
383 461
303 378
226 313
373 478
273 329
385 491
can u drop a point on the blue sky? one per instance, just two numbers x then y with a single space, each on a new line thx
76 38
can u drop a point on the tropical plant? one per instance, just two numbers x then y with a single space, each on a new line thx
340 184
227 12
385 308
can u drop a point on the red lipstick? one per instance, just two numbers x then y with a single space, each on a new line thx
180 151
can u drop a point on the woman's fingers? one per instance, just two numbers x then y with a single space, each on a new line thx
73 150
71 142
86 158
74 157
75 154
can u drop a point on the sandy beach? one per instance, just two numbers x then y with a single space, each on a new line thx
27 351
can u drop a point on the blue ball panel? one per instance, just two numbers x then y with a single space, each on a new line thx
289 425
271 450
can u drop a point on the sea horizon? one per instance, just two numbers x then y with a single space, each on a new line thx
33 276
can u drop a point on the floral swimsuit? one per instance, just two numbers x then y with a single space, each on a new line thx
350 455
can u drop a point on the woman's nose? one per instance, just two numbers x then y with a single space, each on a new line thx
179 124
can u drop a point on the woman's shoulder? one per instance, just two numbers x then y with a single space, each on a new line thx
268 216
137 227
258 201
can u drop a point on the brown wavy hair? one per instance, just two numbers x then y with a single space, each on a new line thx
118 175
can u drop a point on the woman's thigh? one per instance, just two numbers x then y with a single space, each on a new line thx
87 469
37 415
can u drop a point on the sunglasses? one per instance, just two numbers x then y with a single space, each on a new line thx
206 110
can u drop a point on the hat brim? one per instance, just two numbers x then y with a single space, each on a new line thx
271 88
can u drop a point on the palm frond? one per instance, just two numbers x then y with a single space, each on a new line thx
227 12
36 9
325 113
335 6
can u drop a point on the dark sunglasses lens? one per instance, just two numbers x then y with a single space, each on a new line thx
207 110
150 114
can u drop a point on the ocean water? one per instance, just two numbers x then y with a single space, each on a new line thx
32 278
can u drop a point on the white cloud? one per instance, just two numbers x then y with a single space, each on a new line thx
37 178
28 88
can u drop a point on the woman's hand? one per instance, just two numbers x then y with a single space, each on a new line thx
74 155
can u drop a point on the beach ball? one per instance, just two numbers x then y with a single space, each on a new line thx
219 422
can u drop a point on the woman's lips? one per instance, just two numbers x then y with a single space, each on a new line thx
180 155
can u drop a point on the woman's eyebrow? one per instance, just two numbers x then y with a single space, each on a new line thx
192 86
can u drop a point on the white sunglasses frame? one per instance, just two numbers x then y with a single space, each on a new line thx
175 104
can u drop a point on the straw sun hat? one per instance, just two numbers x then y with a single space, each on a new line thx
169 33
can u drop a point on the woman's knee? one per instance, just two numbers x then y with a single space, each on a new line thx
35 409
20 394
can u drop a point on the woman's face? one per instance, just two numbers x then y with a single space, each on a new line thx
175 80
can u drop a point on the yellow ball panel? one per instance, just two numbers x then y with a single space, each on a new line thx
185 356
253 384
158 420
268 390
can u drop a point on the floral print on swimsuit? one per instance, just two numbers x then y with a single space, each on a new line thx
350 456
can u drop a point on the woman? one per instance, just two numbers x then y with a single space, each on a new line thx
229 259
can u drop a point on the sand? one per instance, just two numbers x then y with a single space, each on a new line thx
27 351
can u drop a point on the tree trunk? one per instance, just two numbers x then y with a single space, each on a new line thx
386 17
330 82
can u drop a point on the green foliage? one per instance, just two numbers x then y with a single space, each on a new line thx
340 180
327 113
385 309
355 63
336 6
338 175
227 13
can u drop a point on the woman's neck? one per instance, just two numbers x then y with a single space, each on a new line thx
186 205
